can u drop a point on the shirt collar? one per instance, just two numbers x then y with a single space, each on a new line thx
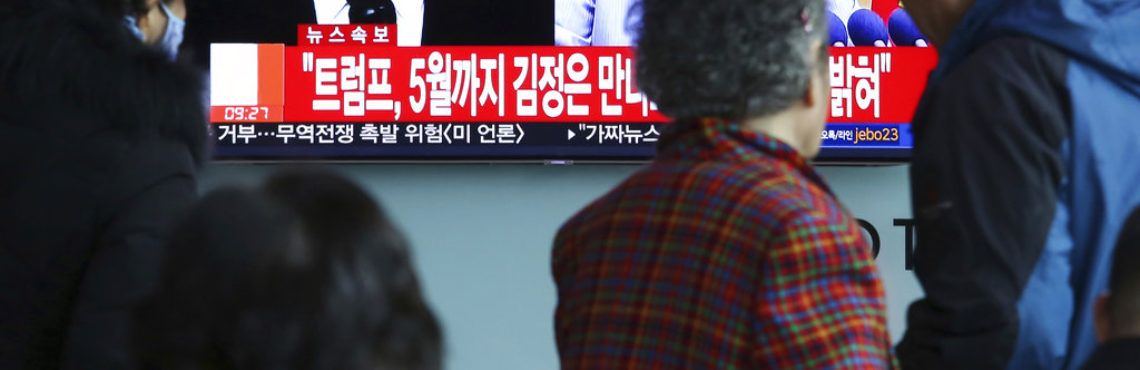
719 139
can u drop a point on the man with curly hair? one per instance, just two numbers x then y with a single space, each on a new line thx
728 251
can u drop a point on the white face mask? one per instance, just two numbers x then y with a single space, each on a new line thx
171 39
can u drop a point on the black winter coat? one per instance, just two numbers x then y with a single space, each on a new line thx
100 138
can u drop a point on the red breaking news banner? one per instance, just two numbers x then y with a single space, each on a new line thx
871 84
369 80
464 84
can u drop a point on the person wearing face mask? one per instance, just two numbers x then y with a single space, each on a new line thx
160 23
101 136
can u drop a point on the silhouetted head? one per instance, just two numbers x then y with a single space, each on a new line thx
937 19
739 60
303 272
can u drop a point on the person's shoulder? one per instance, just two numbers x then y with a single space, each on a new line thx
812 218
1011 62
776 180
648 179
595 213
676 182
787 196
770 194
732 183
758 189
1007 86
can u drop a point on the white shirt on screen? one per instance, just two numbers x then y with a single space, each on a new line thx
844 8
409 18
595 22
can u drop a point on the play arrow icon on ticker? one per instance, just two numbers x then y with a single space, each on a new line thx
570 134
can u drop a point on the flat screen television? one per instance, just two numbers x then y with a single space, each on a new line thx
498 80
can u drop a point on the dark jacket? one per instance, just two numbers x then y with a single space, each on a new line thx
99 141
1117 354
1025 167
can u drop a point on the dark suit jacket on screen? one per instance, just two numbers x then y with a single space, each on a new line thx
446 22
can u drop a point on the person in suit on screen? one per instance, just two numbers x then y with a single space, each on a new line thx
407 15
418 22
595 23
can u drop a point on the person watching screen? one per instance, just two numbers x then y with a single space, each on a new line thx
1117 312
158 23
710 257
303 272
1022 173
101 138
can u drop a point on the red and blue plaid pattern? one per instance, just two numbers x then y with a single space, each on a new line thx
727 252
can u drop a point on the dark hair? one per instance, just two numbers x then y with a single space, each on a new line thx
729 59
305 272
1124 280
120 8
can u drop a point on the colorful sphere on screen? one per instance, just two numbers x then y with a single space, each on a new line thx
867 29
836 31
903 30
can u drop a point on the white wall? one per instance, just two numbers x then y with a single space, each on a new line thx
481 236
880 195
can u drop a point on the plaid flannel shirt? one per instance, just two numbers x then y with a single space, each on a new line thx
727 252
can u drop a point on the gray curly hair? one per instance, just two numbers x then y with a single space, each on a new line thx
728 59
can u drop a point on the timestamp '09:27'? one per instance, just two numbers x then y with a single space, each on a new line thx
246 113
887 134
